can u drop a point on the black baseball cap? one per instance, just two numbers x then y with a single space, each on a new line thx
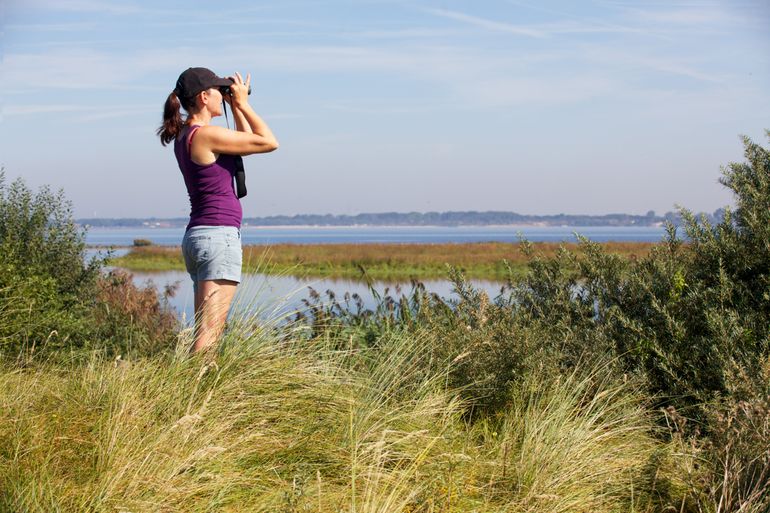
194 80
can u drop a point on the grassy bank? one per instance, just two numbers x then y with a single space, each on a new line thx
274 426
381 261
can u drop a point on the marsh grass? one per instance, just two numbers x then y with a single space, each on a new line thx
488 260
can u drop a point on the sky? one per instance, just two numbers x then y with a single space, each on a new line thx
536 107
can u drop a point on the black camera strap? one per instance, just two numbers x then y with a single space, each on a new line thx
240 172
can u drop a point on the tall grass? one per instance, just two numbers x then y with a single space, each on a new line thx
578 443
274 425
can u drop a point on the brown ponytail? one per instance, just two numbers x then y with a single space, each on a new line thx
172 120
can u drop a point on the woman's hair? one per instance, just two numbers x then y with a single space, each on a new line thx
172 117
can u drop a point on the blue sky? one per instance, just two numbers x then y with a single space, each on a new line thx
395 105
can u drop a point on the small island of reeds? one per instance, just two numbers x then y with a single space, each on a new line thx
483 260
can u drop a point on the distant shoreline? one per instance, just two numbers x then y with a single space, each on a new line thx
489 219
388 226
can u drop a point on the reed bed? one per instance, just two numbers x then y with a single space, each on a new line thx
484 260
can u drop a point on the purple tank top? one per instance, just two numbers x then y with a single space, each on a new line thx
212 194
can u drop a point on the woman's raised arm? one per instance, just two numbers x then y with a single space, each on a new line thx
230 142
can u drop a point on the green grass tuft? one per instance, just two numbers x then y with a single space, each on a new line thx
275 425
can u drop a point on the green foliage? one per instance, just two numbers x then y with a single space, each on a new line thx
692 309
39 237
51 298
678 317
45 285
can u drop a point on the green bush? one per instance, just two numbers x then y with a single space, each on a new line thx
682 316
695 308
39 237
52 299
46 287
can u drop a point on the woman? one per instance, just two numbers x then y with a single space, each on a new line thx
206 157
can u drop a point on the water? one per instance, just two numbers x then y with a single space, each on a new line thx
271 296
386 234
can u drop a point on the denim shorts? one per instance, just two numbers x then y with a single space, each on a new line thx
213 253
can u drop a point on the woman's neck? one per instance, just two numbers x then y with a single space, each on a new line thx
199 118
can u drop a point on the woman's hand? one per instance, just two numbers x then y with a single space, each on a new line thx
239 90
252 135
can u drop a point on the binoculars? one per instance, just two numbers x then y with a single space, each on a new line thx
225 90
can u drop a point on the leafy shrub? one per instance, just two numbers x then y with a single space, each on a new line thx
680 317
693 309
142 242
51 298
39 237
45 284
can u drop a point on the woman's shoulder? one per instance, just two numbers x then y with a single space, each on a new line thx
186 134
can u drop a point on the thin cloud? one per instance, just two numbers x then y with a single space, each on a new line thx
495 26
84 69
580 24
211 22
676 68
697 17
26 110
582 27
86 6
51 27
508 92
575 25
616 59
120 113
379 107
409 33
461 78
79 113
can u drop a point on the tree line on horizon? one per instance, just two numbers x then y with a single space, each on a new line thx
463 218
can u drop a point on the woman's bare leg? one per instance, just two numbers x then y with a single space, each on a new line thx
212 302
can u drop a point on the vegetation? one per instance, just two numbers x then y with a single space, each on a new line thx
595 383
488 260
288 427
51 298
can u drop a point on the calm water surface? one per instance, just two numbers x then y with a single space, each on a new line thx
271 296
